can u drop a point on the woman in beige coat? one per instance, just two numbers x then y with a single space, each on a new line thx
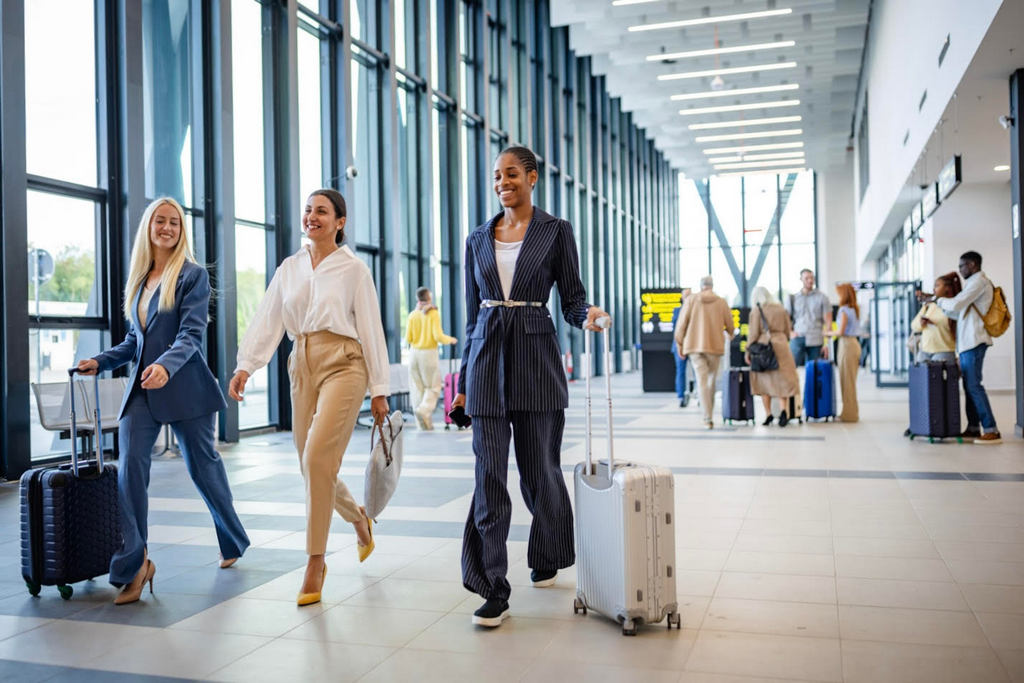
769 322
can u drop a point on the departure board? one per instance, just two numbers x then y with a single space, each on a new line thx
738 347
656 308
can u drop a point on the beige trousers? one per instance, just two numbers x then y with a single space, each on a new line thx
329 380
425 375
849 363
705 366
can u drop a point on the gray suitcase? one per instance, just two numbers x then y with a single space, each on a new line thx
625 536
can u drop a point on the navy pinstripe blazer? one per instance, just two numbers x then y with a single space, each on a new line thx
512 359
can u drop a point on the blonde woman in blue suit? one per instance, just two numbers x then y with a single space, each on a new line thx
513 384
166 303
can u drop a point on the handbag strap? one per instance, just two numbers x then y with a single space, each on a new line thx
378 428
764 319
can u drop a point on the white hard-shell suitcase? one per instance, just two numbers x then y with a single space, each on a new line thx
625 538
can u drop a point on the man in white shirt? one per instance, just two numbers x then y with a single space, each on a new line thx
972 341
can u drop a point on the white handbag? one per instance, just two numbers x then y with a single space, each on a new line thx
385 463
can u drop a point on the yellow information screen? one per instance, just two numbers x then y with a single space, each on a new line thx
656 309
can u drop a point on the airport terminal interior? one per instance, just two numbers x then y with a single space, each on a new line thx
731 143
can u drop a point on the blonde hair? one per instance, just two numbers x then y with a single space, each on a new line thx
142 259
761 296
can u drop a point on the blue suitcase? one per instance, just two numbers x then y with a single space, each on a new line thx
737 400
70 528
935 400
819 390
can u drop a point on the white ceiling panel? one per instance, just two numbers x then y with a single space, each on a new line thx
827 39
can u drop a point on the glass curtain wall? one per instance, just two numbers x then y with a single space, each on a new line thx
747 231
253 226
362 96
68 313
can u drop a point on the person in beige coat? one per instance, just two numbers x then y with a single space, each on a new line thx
769 323
699 337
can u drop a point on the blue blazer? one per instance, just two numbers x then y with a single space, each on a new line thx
174 339
512 359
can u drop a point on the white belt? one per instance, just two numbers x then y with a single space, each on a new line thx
494 303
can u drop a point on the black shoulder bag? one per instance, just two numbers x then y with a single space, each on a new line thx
762 356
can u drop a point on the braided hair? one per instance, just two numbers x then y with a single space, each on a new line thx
523 155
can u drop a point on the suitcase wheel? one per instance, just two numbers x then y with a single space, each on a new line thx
674 619
33 588
66 591
578 606
931 439
629 627
959 439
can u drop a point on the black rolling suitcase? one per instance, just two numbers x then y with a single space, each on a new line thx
737 401
70 526
935 400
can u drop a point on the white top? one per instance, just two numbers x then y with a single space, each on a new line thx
339 296
505 254
144 298
970 328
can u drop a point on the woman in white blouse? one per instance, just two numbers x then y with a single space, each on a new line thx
324 297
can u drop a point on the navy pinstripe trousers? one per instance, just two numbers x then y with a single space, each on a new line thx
538 446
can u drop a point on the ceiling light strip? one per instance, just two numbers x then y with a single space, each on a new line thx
711 20
720 50
775 104
757 164
743 149
772 171
772 66
750 136
735 92
746 122
756 157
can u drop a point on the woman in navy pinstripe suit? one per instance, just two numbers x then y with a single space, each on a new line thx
513 384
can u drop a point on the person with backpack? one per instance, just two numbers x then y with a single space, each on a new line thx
980 312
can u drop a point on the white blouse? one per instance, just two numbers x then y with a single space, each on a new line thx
505 254
144 298
338 296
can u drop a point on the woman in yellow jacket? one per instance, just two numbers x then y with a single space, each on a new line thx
423 333
938 332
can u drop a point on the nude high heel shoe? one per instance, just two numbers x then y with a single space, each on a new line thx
133 591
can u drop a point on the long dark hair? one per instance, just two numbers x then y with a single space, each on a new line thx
338 201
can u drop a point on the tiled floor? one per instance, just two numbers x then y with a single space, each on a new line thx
821 552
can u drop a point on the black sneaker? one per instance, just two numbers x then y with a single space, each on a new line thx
491 613
685 401
542 578
971 433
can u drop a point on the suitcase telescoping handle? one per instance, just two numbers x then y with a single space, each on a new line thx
604 323
97 433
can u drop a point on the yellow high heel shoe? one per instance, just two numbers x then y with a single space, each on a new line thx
312 598
365 550
133 591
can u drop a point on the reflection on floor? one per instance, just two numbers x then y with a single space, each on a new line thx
818 552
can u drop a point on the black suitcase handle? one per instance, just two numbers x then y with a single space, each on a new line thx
97 434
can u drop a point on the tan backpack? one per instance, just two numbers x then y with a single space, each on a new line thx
997 319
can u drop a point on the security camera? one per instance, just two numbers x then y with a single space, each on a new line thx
1006 121
351 172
